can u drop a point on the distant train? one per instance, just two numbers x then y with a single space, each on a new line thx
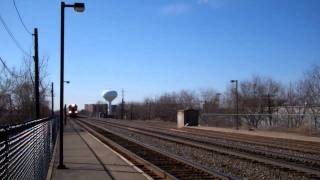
73 110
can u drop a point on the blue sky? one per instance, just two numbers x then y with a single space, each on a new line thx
148 47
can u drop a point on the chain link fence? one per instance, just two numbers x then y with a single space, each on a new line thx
26 149
304 122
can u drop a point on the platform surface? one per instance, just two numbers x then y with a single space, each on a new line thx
88 158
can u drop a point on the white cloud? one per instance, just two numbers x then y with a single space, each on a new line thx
179 8
213 3
175 9
203 1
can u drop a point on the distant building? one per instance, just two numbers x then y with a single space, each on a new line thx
95 109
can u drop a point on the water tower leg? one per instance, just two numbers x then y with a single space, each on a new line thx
109 109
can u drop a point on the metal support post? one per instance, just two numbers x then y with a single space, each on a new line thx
36 72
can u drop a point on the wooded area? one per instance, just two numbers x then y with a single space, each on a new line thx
263 103
17 97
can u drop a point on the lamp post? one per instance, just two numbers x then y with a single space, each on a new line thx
78 7
305 110
52 100
268 97
218 99
237 103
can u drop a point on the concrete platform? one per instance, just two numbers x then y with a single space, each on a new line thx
88 158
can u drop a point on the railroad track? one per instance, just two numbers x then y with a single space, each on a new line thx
302 165
259 151
295 145
302 146
173 167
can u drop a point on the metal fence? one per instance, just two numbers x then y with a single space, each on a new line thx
26 149
275 120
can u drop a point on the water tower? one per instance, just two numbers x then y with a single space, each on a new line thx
109 95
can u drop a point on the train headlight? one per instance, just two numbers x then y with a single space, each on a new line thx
76 112
70 111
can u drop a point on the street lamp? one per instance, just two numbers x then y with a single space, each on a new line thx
305 110
218 98
78 7
68 82
237 103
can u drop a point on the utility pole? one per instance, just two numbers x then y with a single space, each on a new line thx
122 105
52 100
36 73
10 106
131 113
269 109
149 109
237 106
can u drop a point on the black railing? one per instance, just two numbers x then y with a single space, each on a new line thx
26 149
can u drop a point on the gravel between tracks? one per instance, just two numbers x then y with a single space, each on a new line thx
256 147
252 147
229 165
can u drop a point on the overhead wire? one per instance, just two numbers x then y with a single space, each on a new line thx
19 15
8 69
12 37
25 27
16 42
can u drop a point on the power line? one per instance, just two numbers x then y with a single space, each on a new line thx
8 70
25 27
12 37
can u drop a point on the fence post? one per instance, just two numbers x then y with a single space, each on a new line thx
7 161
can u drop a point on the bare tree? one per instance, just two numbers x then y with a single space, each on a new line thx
257 96
210 99
188 99
17 90
310 92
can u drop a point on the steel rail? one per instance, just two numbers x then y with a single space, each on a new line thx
257 151
282 165
303 146
237 137
183 162
147 167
